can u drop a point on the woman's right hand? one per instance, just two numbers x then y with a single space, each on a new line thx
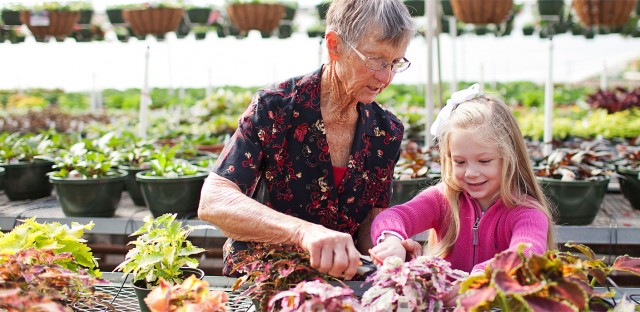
331 251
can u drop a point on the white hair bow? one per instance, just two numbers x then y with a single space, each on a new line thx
455 100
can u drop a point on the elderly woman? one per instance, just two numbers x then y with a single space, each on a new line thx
312 159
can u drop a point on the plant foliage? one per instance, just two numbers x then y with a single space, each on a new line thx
554 281
192 295
315 295
160 250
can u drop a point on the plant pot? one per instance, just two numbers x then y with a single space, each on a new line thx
578 202
630 185
1 177
153 21
604 12
11 18
416 7
60 23
289 12
405 190
322 9
550 7
481 12
90 197
27 180
132 186
264 17
142 292
179 195
85 17
199 15
447 10
115 16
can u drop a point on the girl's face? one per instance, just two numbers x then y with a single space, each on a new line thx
361 82
476 167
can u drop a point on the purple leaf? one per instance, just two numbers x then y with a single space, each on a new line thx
627 264
542 304
509 285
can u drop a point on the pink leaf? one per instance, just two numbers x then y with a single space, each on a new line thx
572 292
477 298
627 264
541 304
507 261
509 285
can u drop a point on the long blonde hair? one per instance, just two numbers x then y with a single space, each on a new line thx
487 119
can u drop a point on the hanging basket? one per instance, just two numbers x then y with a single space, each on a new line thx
481 12
11 17
60 23
153 21
264 17
604 12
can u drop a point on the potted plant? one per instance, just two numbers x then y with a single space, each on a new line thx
155 19
417 285
263 16
603 12
411 174
575 181
135 157
554 281
313 296
60 19
269 269
199 15
26 163
11 14
161 251
192 295
172 185
628 170
85 183
484 12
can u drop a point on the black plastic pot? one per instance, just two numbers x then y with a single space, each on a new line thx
199 15
447 10
142 292
1 177
578 202
550 7
27 180
132 186
90 197
85 17
179 195
115 16
322 9
630 185
405 190
11 18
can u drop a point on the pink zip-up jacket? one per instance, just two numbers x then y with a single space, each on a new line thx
481 235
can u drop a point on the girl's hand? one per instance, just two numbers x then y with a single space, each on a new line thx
413 248
390 246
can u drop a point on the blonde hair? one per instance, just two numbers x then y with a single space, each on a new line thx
487 119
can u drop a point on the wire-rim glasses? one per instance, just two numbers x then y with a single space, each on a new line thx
378 64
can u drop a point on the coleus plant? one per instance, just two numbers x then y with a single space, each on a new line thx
554 281
414 162
192 294
59 238
575 164
615 100
417 285
629 156
41 277
271 268
315 295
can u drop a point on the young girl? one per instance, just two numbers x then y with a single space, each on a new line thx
488 200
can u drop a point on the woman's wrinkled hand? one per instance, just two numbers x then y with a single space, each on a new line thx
331 252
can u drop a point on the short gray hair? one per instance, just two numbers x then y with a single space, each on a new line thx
353 19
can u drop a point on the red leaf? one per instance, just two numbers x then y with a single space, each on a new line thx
506 260
509 285
627 264
477 298
541 304
572 292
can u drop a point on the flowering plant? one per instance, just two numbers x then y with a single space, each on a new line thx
418 285
315 296
192 295
273 268
554 281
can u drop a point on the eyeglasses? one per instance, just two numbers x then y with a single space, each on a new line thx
377 64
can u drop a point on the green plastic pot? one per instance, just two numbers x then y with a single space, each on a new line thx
11 17
1 177
199 15
550 7
90 197
578 202
142 292
27 180
180 195
405 190
447 10
132 186
630 185
416 7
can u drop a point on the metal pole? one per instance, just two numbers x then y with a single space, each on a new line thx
603 76
453 33
548 103
428 99
145 97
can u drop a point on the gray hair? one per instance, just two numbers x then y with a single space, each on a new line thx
352 19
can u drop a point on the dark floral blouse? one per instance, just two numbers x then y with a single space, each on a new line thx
280 156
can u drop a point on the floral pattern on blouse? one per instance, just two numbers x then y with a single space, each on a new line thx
281 143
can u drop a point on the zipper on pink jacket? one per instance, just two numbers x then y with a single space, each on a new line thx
475 240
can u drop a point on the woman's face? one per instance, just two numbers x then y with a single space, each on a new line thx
360 82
